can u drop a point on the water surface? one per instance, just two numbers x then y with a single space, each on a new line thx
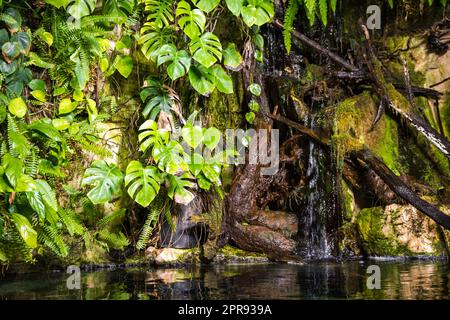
399 280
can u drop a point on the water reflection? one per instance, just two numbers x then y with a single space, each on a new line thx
399 280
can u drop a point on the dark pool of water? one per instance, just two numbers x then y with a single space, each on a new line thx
399 280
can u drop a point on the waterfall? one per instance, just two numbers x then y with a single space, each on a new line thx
316 242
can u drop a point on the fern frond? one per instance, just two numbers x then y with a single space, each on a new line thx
68 218
112 219
114 240
150 223
289 18
52 239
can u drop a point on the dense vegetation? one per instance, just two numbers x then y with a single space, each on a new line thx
63 63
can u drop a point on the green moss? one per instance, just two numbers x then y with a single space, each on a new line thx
354 117
374 241
445 114
387 148
230 251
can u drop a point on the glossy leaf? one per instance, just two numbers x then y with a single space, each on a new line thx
192 135
206 49
222 80
192 22
202 79
28 234
178 189
143 183
17 107
180 61
232 59
107 180
206 5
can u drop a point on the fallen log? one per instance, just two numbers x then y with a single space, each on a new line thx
285 223
263 240
401 189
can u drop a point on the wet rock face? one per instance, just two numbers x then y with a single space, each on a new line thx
187 234
399 230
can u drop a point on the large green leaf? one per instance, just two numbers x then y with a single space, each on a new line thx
81 8
258 12
160 12
43 199
170 157
28 234
124 64
206 5
192 22
91 107
15 19
121 8
153 39
178 189
57 3
222 80
156 98
66 106
10 51
235 6
211 137
18 143
46 129
202 79
206 49
180 61
23 40
232 59
107 181
143 183
192 135
17 107
150 135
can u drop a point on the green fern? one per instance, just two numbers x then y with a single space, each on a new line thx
112 219
150 222
114 240
51 237
73 226
289 18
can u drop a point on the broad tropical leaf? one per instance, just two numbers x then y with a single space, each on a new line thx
107 181
232 59
160 12
153 39
121 8
156 98
206 49
178 189
206 5
258 12
170 157
143 183
202 79
28 234
180 61
192 22
150 135
81 8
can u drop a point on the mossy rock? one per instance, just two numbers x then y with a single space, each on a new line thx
399 231
354 118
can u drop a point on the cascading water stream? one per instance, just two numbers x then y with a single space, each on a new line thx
314 217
